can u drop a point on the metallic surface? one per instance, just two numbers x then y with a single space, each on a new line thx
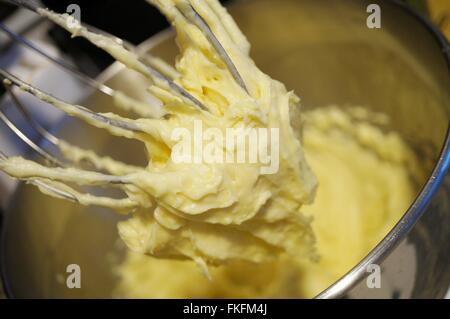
325 52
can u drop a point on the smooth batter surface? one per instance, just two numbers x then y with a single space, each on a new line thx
365 185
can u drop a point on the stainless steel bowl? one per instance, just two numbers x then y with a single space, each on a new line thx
323 50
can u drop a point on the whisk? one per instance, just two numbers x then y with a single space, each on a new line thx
181 210
161 74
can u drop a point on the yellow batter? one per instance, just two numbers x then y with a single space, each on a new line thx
364 188
212 213
252 234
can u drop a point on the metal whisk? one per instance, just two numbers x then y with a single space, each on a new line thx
161 74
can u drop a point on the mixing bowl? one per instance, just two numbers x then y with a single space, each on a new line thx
327 54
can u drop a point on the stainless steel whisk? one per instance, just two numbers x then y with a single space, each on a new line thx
161 74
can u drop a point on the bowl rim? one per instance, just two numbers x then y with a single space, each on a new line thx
418 207
388 243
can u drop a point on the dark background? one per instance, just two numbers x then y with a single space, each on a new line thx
133 20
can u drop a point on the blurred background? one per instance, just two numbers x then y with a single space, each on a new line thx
136 21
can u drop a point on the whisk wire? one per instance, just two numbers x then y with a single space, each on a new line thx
29 118
152 69
194 17
18 132
63 64
84 112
